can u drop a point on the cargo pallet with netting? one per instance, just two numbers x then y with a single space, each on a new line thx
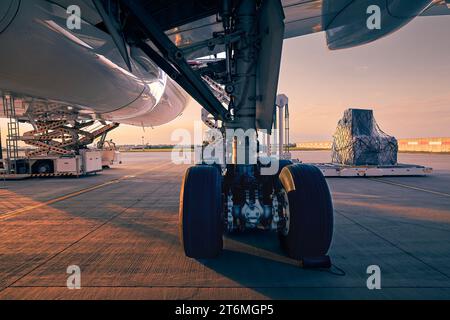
361 149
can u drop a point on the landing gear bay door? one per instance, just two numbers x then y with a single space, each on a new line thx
271 30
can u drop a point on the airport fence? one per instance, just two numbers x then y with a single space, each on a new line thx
427 145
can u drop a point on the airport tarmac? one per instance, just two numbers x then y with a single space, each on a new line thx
121 228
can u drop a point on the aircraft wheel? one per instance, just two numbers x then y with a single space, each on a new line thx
283 164
42 167
201 212
308 208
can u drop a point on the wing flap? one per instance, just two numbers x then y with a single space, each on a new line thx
438 8
302 17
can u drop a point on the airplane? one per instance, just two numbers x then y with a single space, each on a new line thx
138 62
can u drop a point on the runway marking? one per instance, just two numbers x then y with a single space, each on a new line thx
17 212
410 187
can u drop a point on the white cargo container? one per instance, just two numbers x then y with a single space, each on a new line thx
68 166
92 161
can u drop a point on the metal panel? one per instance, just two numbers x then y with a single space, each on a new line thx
68 165
271 26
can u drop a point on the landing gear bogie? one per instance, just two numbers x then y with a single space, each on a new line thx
300 209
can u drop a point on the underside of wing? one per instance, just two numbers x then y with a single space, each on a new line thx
302 17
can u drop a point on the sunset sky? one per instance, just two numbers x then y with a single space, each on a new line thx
404 77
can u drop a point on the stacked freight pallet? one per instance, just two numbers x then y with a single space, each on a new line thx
359 141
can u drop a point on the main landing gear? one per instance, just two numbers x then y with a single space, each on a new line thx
295 202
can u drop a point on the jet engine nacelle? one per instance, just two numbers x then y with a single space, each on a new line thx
42 59
351 23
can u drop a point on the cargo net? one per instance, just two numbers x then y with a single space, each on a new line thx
359 141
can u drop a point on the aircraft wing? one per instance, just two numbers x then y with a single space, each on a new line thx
306 17
302 17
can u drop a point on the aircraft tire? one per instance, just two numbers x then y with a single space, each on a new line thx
201 212
283 164
310 211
